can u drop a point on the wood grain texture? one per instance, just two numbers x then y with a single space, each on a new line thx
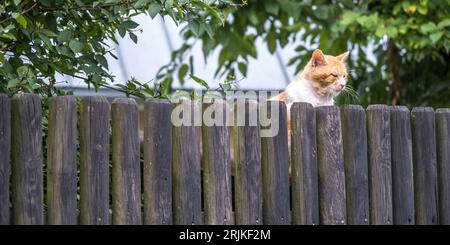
330 161
424 165
62 161
5 165
94 164
354 135
304 176
443 163
380 173
126 167
402 167
275 166
247 160
187 196
157 162
216 165
27 160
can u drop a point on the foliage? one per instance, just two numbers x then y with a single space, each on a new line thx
40 39
410 41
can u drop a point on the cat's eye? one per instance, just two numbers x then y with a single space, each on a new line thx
334 74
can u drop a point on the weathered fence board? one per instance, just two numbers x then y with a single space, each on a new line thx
330 161
275 165
443 163
5 165
216 164
425 161
126 168
157 171
247 165
354 136
385 165
27 160
94 165
380 175
305 193
62 161
186 167
402 168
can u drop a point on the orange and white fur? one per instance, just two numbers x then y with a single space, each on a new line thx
322 79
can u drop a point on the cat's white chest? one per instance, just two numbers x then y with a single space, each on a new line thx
301 91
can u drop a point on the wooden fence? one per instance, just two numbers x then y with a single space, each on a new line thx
345 165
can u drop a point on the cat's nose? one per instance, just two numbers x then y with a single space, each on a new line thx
340 87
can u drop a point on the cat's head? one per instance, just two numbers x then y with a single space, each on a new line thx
328 74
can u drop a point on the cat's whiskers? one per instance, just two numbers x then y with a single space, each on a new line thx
351 92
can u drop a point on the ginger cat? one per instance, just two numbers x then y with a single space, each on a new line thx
322 79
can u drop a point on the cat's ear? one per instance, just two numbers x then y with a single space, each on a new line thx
342 57
318 59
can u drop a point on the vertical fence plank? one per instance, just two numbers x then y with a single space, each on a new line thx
62 161
186 166
402 168
27 159
94 165
126 167
305 193
443 161
216 164
275 164
354 136
247 161
330 161
5 165
425 161
380 175
157 171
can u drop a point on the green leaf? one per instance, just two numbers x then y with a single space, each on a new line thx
133 37
194 27
102 61
12 83
154 9
140 3
272 7
65 51
209 30
443 24
242 68
48 33
45 39
428 27
271 41
17 2
129 24
20 19
253 18
168 4
64 36
191 64
436 36
210 9
392 31
23 71
122 31
200 81
76 46
182 73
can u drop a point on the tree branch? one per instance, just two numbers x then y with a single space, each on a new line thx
395 73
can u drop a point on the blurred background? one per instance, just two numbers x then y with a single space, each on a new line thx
400 50
160 37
